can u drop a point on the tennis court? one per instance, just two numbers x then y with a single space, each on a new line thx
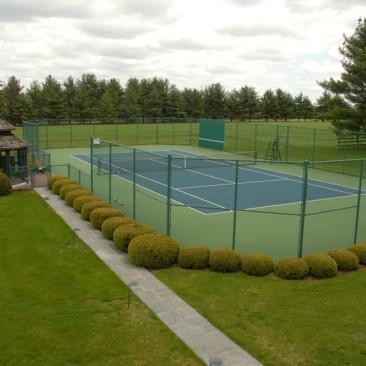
212 186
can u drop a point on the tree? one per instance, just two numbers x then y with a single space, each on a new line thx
34 93
53 99
269 105
233 105
175 103
87 96
2 100
214 98
248 102
193 103
110 100
131 99
150 98
303 107
331 107
69 92
286 104
12 94
350 114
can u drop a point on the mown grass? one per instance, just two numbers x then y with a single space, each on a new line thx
60 304
299 141
281 322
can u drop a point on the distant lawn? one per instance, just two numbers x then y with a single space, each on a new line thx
61 305
281 322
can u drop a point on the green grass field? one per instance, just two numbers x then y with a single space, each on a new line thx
299 141
281 322
61 305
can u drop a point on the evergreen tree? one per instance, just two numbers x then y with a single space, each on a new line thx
193 103
12 94
130 106
269 105
249 102
303 107
69 92
175 103
214 98
53 99
286 104
34 93
351 88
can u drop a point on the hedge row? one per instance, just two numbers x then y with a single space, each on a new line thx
148 249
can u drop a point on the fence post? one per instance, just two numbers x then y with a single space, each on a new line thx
91 166
287 143
358 201
110 175
303 208
168 197
134 185
235 208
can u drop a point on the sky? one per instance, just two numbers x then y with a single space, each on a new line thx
265 44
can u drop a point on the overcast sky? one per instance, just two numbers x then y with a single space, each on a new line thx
267 44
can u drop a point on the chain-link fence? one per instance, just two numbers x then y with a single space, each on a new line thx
246 204
294 143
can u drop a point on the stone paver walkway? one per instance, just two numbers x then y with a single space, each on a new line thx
200 335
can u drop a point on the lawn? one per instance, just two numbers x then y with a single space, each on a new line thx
299 140
282 322
61 305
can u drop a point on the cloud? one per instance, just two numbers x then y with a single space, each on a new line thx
112 30
24 10
263 43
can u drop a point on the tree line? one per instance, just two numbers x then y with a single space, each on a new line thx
343 101
88 98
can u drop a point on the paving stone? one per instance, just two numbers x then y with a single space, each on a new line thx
203 338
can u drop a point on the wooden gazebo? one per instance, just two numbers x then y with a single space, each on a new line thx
13 152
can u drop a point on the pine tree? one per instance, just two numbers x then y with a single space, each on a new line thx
351 114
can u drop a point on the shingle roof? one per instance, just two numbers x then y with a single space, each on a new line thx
5 126
7 140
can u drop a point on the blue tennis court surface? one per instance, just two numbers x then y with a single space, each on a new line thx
208 185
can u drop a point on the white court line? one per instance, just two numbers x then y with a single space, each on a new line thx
280 178
233 183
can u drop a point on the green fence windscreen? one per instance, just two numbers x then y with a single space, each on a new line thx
212 134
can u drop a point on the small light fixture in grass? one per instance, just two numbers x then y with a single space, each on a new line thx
74 230
131 284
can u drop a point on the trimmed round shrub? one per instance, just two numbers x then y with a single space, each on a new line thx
68 188
360 251
55 178
257 264
291 268
112 223
88 207
79 201
99 215
224 260
153 251
5 185
346 260
60 183
194 257
123 235
321 265
72 195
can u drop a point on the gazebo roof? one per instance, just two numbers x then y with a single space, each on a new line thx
7 140
5 126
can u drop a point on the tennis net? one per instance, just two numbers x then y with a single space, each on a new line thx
142 161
